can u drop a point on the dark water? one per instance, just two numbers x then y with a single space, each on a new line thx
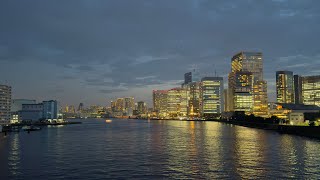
141 149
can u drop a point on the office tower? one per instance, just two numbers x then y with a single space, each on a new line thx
243 93
80 107
285 87
211 95
297 83
160 102
193 91
119 105
177 102
16 104
113 106
248 62
5 102
141 107
260 98
129 105
193 76
129 102
50 109
187 77
71 109
311 90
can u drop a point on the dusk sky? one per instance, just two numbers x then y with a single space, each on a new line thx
93 51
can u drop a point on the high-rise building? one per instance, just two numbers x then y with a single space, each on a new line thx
128 105
119 105
50 109
193 91
243 92
177 102
5 102
256 98
80 107
260 98
141 107
211 95
113 106
250 62
311 90
193 76
160 102
129 102
187 77
285 87
297 83
71 109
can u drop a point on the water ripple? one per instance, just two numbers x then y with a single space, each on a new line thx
139 149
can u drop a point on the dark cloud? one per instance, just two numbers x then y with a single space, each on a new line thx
111 44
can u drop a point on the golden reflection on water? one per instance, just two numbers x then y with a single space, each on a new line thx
247 152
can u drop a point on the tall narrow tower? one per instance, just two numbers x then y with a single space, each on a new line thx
285 88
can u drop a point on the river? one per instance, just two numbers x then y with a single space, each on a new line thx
142 149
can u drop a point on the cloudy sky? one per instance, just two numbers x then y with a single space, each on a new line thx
92 51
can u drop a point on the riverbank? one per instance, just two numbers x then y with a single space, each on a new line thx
306 131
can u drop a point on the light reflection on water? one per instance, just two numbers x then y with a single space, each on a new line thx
145 149
14 155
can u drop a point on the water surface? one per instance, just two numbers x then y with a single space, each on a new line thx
141 149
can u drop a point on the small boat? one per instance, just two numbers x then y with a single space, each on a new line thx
108 120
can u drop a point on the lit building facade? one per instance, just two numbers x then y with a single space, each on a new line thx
129 106
119 105
160 102
311 90
177 103
252 100
285 87
260 98
243 92
141 107
211 95
5 102
193 107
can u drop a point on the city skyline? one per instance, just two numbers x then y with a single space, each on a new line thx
112 49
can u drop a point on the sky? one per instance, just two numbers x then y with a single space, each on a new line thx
93 51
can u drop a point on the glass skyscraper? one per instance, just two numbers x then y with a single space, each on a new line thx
311 90
297 83
247 67
285 87
212 103
160 102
